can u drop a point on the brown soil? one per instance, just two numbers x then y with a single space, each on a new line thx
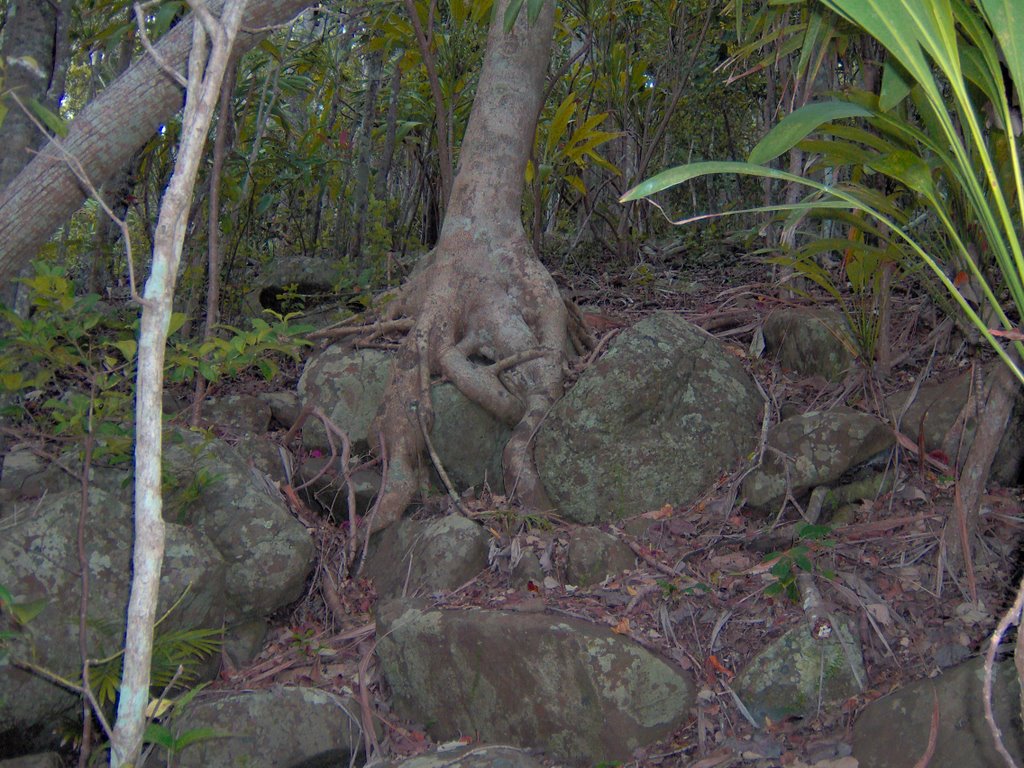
698 594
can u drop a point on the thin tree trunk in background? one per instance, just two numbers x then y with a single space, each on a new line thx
205 77
213 249
424 38
36 31
996 405
29 40
364 143
388 153
117 192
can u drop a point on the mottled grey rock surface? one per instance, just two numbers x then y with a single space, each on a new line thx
809 341
39 561
285 727
812 449
656 420
348 386
427 556
571 688
593 555
893 731
797 673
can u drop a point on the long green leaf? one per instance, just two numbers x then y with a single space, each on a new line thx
511 14
1006 18
556 130
797 125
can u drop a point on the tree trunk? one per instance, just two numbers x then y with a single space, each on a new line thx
206 73
105 135
996 406
29 36
483 294
364 145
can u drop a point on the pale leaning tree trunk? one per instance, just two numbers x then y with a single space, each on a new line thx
212 39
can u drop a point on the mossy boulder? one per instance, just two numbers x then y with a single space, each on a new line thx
39 561
656 420
569 687
348 385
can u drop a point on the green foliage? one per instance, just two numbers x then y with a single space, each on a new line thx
563 155
928 137
224 358
788 564
177 655
21 614
73 361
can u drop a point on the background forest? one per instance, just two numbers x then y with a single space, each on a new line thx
333 152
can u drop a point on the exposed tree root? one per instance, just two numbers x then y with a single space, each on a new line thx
475 309
488 315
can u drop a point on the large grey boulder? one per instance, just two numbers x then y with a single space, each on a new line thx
286 727
268 552
348 385
893 732
39 561
566 686
799 673
814 449
593 555
232 549
210 487
809 341
654 421
936 407
421 557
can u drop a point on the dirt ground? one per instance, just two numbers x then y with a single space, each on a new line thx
699 594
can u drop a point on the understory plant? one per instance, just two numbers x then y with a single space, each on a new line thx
71 362
942 133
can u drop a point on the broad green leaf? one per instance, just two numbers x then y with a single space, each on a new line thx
160 735
128 348
908 168
264 203
977 71
12 382
5 596
23 613
195 735
164 16
158 707
896 85
533 9
576 183
803 562
894 24
1006 19
511 14
208 370
177 321
683 173
267 46
799 124
556 130
50 119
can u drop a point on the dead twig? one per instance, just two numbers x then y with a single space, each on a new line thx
1012 616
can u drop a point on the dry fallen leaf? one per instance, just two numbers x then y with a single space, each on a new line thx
622 628
659 514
